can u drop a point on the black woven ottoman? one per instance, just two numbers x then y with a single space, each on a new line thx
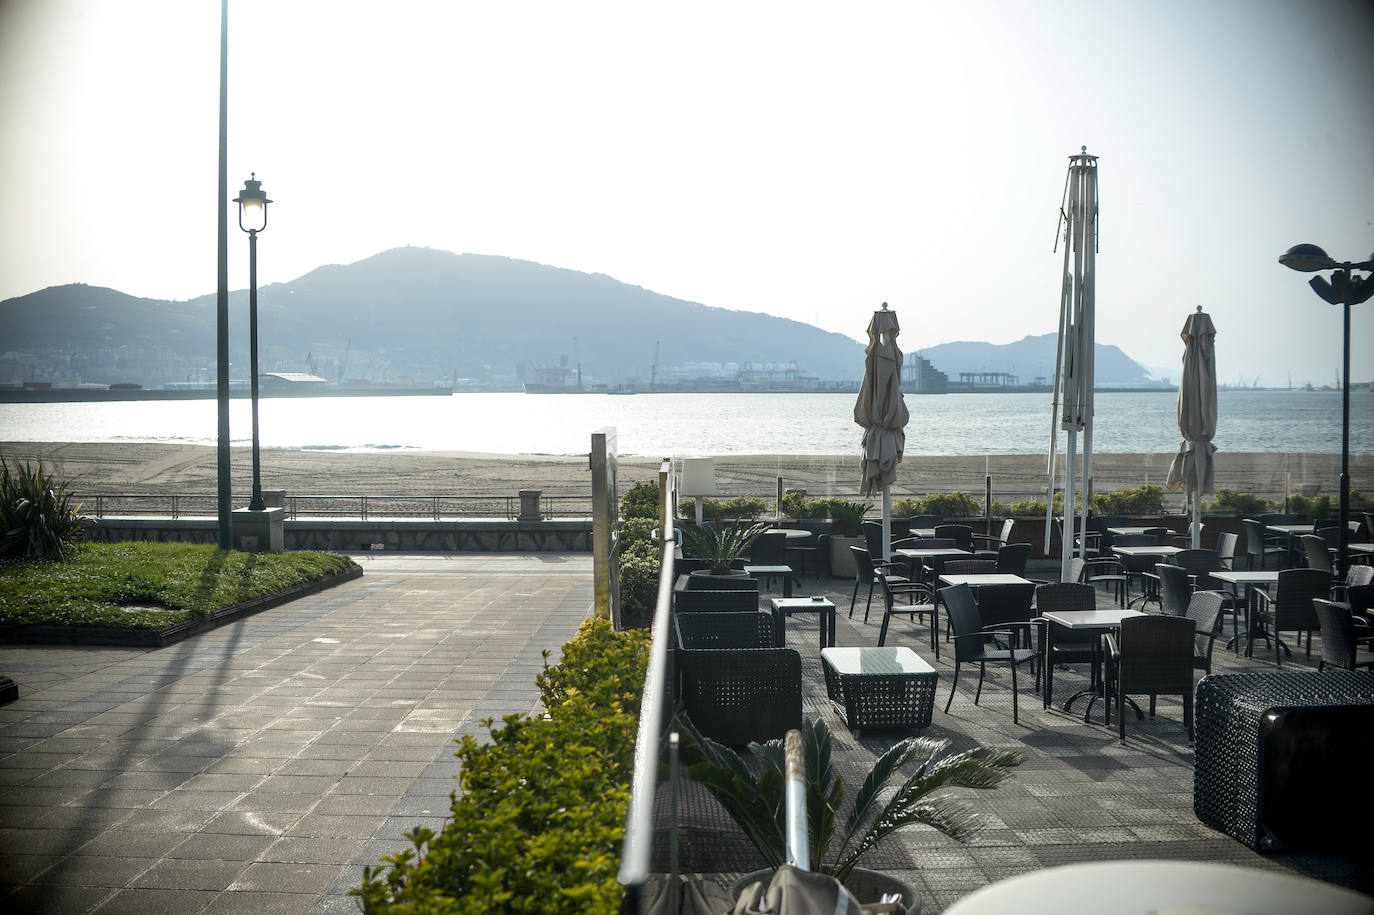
1282 758
879 687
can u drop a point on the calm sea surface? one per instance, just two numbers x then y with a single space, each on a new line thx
659 425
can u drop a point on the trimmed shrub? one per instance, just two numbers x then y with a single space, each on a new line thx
37 517
640 501
1143 501
1028 509
537 820
1239 503
727 510
951 505
797 505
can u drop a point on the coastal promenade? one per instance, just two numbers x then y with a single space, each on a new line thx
259 767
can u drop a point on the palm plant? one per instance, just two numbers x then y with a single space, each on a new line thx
720 548
847 515
757 803
37 517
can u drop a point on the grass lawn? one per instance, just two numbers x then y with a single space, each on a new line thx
137 585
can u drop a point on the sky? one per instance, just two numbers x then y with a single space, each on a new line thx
805 160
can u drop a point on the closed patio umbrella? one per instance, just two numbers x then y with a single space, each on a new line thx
1191 468
882 412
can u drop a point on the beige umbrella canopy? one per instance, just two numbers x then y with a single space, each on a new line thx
1191 468
882 412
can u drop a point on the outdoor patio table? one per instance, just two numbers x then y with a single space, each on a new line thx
1251 580
879 687
924 533
919 556
1131 531
782 606
1159 550
989 578
767 573
1363 551
791 533
1093 621
1158 886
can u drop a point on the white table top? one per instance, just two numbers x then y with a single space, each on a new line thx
899 660
1360 547
1257 577
1291 529
911 553
921 532
791 533
1159 550
1161 887
1128 531
989 578
802 603
1089 619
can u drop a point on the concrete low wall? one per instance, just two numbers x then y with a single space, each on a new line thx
561 536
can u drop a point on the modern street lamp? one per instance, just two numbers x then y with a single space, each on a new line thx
253 219
1346 290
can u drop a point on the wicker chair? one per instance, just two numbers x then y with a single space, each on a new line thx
1149 656
961 534
1008 607
715 601
986 545
1316 552
744 629
1103 570
1066 646
1290 608
1259 546
739 695
867 569
976 644
1139 568
1339 636
920 601
1205 610
1175 589
969 567
1012 558
1226 549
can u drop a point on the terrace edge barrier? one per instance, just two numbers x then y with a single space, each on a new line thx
636 852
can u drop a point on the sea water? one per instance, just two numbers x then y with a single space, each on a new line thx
660 425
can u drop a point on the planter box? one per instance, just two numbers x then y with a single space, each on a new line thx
841 560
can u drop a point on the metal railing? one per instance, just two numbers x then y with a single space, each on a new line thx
347 506
636 853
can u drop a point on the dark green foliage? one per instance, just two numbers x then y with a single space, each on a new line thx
539 813
847 516
721 546
38 519
190 579
640 501
941 504
1031 508
1243 504
1141 502
797 505
754 795
726 510
640 557
1320 509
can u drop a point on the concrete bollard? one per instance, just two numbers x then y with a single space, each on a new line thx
529 505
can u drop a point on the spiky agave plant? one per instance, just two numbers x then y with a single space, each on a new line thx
722 547
756 801
38 519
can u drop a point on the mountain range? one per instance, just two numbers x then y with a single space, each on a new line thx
429 316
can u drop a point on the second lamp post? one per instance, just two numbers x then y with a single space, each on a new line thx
253 219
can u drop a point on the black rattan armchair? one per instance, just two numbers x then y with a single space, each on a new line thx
1152 655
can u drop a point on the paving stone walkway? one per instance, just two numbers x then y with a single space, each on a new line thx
258 767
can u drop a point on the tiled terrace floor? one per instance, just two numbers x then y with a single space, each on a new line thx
258 767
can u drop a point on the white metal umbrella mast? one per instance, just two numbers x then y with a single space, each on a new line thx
1073 369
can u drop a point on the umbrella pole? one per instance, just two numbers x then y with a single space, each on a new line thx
887 522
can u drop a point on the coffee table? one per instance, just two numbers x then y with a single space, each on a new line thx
879 687
1251 579
767 573
785 606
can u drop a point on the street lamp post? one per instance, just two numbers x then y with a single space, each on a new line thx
1345 290
253 219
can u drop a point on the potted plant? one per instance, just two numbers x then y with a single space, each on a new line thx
755 800
847 517
721 548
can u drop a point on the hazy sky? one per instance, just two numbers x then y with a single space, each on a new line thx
805 160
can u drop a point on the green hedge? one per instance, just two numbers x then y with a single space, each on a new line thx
537 820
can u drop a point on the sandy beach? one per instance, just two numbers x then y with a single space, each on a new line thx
190 469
